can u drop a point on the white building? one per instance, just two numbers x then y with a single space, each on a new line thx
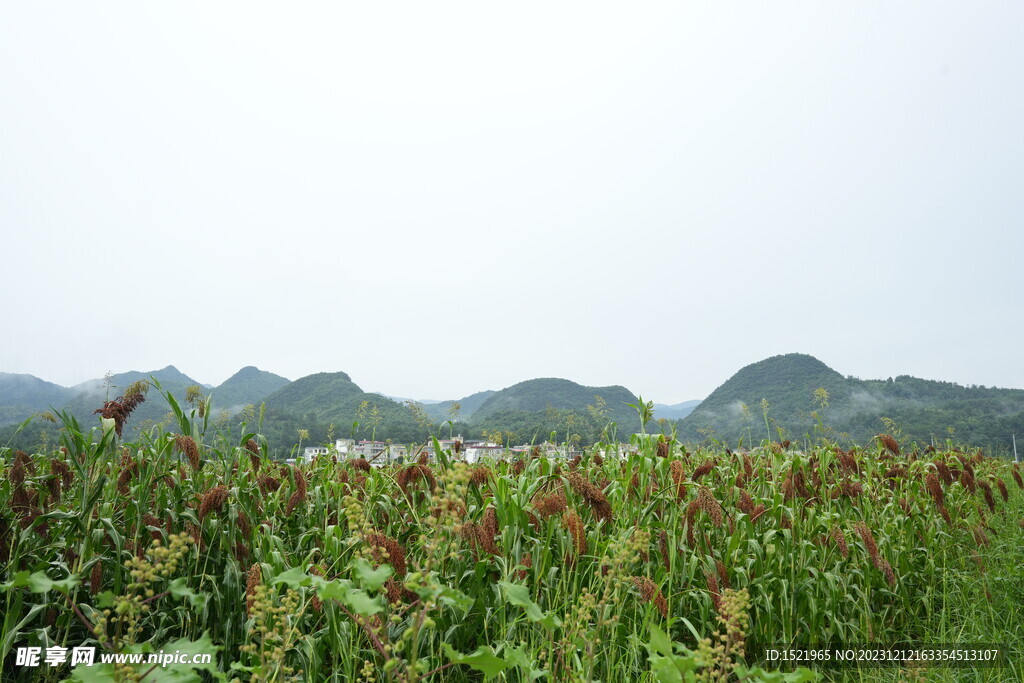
311 453
477 451
379 453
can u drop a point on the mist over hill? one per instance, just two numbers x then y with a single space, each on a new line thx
854 409
675 412
90 395
22 395
248 386
788 396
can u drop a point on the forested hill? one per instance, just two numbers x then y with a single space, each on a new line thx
853 409
537 394
533 409
783 397
316 394
327 405
330 403
250 385
23 395
90 395
468 406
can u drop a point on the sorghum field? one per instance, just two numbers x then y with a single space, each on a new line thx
661 564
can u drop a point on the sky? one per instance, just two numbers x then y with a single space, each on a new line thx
441 198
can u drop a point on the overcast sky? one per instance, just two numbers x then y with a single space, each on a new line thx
443 198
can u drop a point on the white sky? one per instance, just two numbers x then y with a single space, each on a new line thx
443 198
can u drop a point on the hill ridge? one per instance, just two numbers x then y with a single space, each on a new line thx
854 408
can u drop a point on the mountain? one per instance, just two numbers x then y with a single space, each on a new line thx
922 409
537 394
169 375
675 412
31 391
24 395
787 382
318 395
330 403
467 406
248 385
802 397
90 395
534 409
403 399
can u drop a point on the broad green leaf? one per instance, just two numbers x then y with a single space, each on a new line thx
517 657
440 593
294 578
178 589
482 659
20 579
660 642
666 671
357 600
520 596
178 673
333 590
369 578
361 603
97 673
666 664
39 582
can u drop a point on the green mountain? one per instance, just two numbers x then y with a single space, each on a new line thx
25 395
537 394
85 398
533 409
31 391
329 404
91 395
248 385
855 408
791 396
441 410
318 395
